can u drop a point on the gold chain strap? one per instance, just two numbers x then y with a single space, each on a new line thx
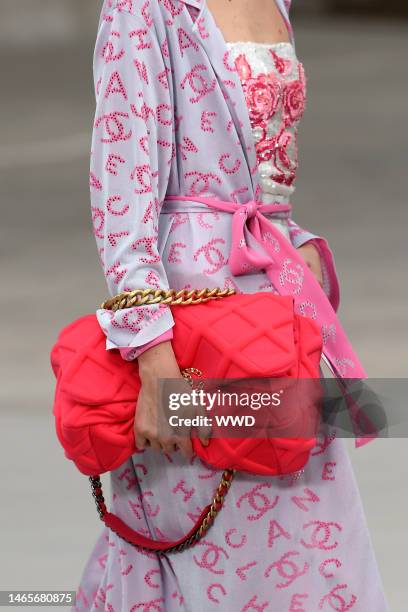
217 503
184 297
222 489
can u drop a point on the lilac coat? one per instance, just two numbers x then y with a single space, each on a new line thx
156 133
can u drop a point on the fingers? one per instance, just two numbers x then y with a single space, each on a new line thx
141 441
164 444
152 428
182 444
186 447
146 435
203 433
155 444
168 445
150 439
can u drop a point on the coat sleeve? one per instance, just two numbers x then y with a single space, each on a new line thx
331 286
300 236
132 151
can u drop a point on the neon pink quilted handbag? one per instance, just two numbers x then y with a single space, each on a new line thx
254 335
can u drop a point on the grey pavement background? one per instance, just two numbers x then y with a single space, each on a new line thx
351 189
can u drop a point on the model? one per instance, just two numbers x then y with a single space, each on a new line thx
181 110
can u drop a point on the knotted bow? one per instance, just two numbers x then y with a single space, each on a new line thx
249 220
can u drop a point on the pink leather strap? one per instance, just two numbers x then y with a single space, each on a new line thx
202 524
289 274
138 539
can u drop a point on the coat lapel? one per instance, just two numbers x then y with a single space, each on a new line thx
213 43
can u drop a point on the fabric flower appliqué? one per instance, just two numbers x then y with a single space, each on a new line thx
263 93
282 65
294 98
275 148
273 94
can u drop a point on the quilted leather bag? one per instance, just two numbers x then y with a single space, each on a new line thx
244 336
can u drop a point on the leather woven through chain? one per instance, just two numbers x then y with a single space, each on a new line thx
206 523
184 297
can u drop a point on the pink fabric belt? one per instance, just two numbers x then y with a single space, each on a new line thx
287 271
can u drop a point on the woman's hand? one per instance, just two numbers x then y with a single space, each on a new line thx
154 363
311 256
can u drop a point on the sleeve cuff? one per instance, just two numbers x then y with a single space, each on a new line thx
331 285
133 328
132 353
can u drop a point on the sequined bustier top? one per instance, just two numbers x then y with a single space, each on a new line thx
274 85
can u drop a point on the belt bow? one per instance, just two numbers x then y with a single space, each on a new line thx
248 222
